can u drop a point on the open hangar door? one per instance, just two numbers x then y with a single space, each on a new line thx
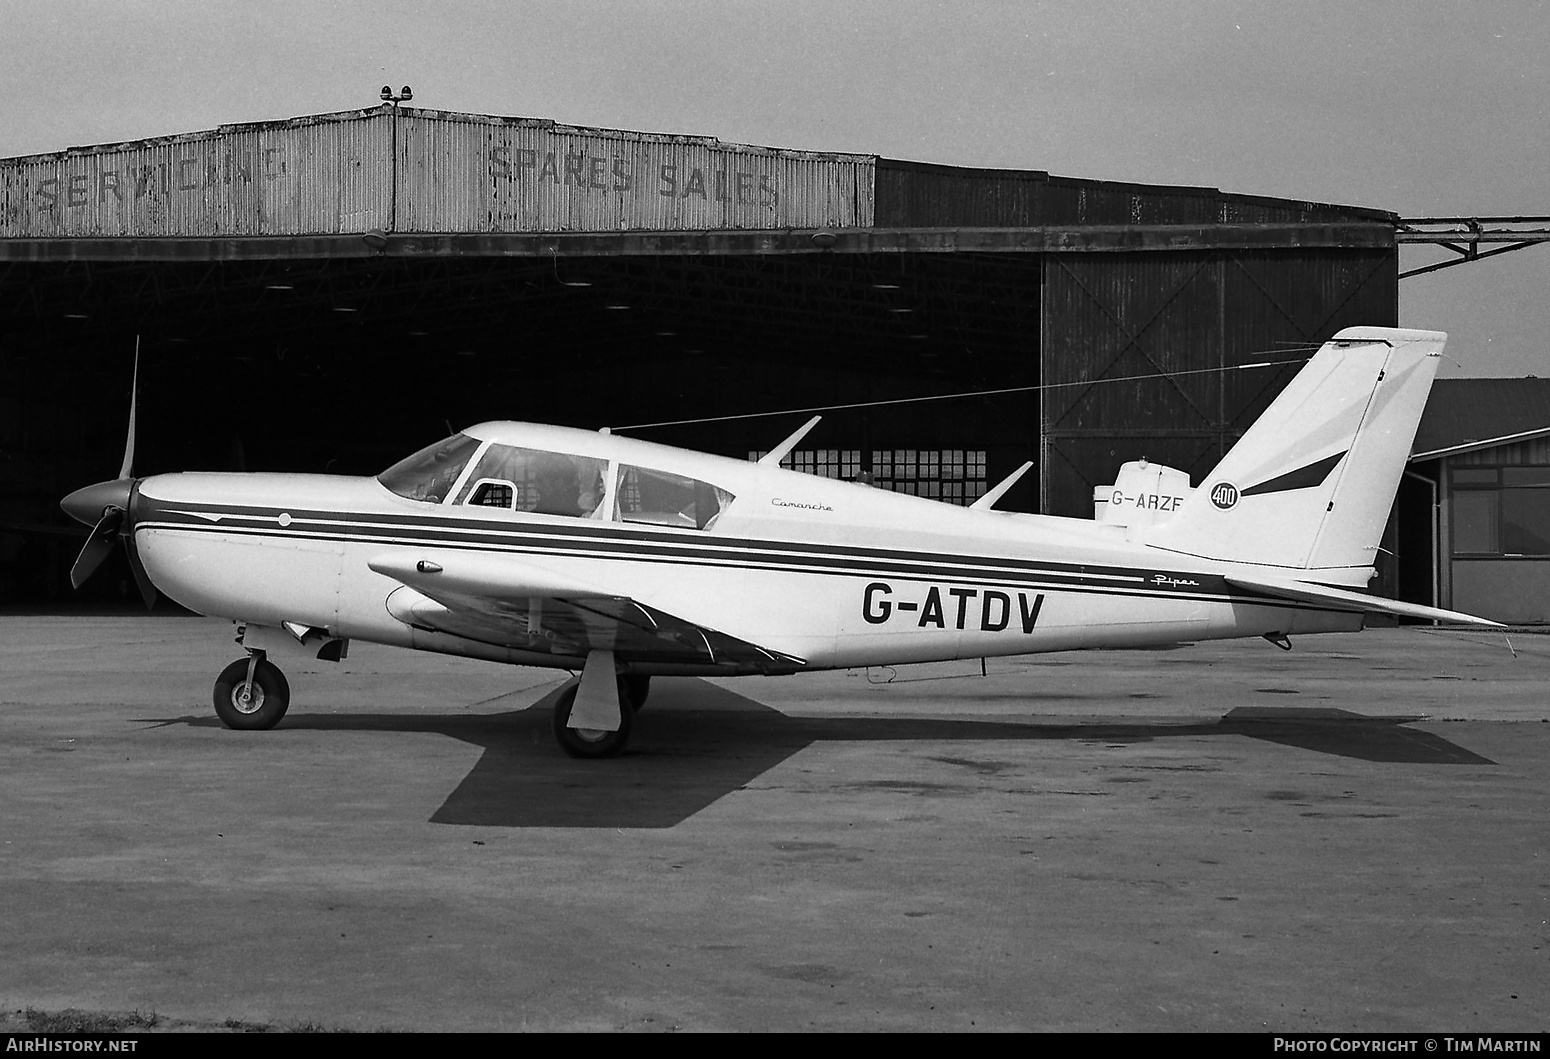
1142 351
346 364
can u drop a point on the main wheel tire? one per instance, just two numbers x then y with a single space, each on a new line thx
270 699
587 742
633 689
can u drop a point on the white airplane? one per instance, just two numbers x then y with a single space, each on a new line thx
623 559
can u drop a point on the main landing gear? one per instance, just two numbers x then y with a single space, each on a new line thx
251 694
586 733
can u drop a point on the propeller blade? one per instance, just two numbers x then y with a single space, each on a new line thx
106 504
98 545
134 399
142 579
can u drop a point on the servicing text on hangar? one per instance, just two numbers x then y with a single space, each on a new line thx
337 174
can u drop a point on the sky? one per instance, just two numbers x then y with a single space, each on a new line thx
1421 107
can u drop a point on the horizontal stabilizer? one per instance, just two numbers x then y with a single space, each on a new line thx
1342 599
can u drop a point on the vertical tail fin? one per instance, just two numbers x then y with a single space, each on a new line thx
1310 485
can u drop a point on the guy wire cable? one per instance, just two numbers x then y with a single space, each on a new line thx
956 396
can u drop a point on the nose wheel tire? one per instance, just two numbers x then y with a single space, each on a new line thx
588 742
256 708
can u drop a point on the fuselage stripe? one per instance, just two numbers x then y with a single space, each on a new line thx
677 550
607 532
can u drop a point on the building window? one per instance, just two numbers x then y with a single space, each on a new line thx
1476 522
1501 511
954 475
825 463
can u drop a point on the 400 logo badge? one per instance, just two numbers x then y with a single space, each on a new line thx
1224 495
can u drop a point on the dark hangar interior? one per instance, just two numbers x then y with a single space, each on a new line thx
330 293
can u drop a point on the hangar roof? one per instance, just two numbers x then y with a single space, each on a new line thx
1464 415
440 182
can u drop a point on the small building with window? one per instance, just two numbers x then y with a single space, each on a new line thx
1484 447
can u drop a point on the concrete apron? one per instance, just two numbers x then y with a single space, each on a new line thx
1218 837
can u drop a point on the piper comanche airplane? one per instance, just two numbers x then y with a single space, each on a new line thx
623 559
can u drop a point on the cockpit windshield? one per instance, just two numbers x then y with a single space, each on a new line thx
431 472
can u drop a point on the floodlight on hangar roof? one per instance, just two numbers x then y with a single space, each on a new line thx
327 186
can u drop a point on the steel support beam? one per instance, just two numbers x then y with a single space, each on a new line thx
1061 239
1463 236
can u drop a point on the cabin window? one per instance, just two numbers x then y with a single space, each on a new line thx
489 493
536 480
664 499
429 474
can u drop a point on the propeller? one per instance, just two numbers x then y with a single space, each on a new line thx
107 507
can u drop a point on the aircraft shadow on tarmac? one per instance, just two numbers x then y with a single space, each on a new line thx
696 743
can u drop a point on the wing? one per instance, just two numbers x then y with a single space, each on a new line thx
1344 599
511 604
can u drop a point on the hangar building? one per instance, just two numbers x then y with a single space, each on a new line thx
331 292
1483 453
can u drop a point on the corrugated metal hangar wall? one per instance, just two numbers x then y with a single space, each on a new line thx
328 293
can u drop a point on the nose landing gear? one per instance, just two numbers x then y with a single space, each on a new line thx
251 694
